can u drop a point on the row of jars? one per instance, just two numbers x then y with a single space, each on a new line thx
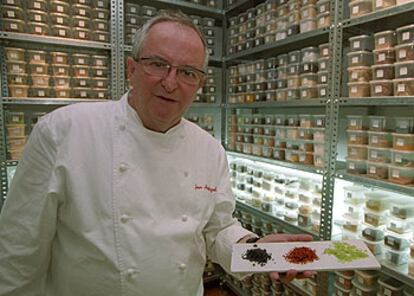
205 121
359 8
60 19
382 64
269 22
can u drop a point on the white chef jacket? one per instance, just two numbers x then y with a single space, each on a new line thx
100 205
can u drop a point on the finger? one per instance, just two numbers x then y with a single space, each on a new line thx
290 276
305 275
274 276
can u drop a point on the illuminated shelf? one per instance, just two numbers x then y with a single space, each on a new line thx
46 101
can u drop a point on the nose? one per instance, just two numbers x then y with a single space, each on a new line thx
170 81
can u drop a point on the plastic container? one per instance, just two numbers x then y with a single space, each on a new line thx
359 74
60 70
404 52
14 54
396 257
377 123
405 34
404 87
307 25
381 88
361 42
32 4
13 25
404 69
358 89
360 58
81 33
376 248
40 80
381 155
360 290
323 64
360 7
38 28
308 92
379 139
377 201
356 166
61 82
402 158
41 92
324 49
357 122
12 12
382 72
375 219
100 36
37 16
38 69
353 211
366 278
351 225
343 282
59 57
401 175
384 56
403 142
59 6
382 4
18 91
357 137
373 234
400 226
390 287
80 92
385 39
81 59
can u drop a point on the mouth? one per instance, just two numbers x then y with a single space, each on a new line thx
167 99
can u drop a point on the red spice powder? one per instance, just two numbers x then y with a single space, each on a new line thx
301 255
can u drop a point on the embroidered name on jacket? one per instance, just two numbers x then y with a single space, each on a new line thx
205 187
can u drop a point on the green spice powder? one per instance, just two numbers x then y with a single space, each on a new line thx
345 252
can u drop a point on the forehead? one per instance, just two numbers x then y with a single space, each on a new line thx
176 43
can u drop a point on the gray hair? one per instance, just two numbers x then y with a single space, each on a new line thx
167 16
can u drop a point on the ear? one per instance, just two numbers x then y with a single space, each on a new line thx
131 67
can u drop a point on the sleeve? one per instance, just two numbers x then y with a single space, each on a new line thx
223 231
28 218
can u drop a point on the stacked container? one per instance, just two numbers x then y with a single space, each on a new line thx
16 134
17 77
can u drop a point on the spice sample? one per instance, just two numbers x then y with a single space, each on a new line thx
257 256
301 255
345 252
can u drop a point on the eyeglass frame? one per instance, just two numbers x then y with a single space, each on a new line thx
171 66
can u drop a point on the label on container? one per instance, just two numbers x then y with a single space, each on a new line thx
38 18
82 1
322 8
13 26
60 8
133 10
101 15
38 29
41 93
302 157
82 83
403 124
339 292
354 89
378 89
374 154
82 35
19 91
101 94
403 71
149 12
400 142
353 151
323 92
381 57
59 59
82 72
401 87
39 70
101 37
11 14
353 138
37 5
354 75
387 292
374 139
101 26
16 68
19 80
380 73
61 81
319 122
341 280
379 3
13 56
375 123
99 62
353 122
323 65
395 174
62 32
82 11
99 73
355 9
100 4
372 170
406 36
36 57
10 2
354 60
305 14
61 70
357 44
352 166
81 24
83 94
325 52
62 93
302 134
59 20
402 53
133 21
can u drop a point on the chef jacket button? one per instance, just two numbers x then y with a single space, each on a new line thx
184 218
124 218
185 174
122 127
183 266
123 167
131 272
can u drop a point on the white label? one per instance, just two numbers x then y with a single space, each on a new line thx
101 26
387 292
81 61
100 4
81 23
398 158
379 3
82 71
13 56
100 84
302 134
149 12
82 83
374 154
10 1
395 174
101 94
36 57
15 68
406 36
306 67
37 5
60 8
322 8
352 166
19 80
381 40
10 13
375 123
41 93
353 122
101 37
354 89
82 35
59 59
319 122
323 79
325 51
304 93
305 14
339 293
323 92
381 57
374 139
322 21
62 32
59 20
13 26
323 65
354 75
82 1
401 87
99 73
302 157
400 142
402 54
83 94
355 9
39 70
99 62
380 73
353 138
38 18
133 21
403 71
403 124
82 11
38 29
355 60
61 70
61 82
101 15
133 10
293 58
373 170
62 93
357 44
19 91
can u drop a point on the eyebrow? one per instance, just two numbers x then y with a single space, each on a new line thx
167 62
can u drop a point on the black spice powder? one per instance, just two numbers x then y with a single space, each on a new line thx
257 256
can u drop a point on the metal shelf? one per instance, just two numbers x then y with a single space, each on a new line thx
241 6
377 101
53 40
408 190
390 18
298 289
234 288
46 101
273 104
294 42
205 105
399 272
285 164
288 227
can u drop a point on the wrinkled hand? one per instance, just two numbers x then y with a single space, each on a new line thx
280 238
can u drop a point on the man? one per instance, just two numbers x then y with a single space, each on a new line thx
126 197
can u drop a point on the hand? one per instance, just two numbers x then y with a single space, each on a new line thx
280 238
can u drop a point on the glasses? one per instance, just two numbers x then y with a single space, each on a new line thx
157 67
